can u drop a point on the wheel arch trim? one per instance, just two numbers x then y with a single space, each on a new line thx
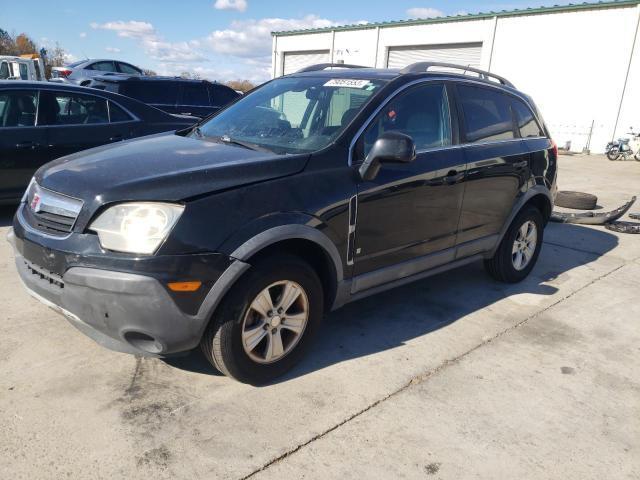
537 190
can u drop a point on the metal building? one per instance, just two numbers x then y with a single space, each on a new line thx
581 63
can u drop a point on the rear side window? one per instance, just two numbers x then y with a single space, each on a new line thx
126 68
221 95
525 120
102 67
61 108
195 94
24 72
487 114
18 108
4 71
154 92
117 114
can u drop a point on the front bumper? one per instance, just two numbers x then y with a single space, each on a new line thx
128 312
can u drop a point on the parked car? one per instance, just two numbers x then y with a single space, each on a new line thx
199 98
41 121
314 190
83 71
28 67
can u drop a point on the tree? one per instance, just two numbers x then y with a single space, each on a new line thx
25 45
240 85
7 45
148 72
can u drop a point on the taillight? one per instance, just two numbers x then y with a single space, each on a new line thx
64 73
554 149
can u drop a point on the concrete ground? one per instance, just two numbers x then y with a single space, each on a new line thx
453 377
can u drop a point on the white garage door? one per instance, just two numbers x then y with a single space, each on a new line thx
467 54
294 61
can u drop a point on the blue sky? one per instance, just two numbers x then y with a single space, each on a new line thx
220 39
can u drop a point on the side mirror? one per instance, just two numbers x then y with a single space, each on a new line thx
390 147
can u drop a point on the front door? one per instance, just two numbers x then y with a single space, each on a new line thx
407 217
23 145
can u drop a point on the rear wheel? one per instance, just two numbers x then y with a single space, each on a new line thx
518 252
613 154
266 322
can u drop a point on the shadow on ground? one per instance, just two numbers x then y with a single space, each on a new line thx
388 320
6 215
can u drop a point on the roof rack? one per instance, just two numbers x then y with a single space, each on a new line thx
324 66
421 67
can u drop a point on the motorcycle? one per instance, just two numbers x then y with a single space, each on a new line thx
623 148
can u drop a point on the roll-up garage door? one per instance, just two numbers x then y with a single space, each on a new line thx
467 54
294 61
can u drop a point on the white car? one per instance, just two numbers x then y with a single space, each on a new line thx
21 68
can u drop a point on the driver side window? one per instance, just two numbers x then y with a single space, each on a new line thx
422 112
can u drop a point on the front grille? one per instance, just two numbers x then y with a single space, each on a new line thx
45 275
51 223
50 212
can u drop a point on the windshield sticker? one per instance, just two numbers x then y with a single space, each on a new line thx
346 82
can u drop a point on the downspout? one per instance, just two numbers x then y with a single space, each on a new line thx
275 55
375 59
493 41
333 40
626 77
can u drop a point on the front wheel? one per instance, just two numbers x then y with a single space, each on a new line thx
613 154
518 252
266 322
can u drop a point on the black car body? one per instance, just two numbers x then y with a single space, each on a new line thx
42 121
314 190
198 98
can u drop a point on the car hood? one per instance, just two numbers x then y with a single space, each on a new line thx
163 167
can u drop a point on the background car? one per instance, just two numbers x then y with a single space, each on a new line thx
41 121
199 98
83 71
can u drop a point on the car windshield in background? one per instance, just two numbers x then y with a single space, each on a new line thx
292 115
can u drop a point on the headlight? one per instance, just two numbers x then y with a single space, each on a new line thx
136 227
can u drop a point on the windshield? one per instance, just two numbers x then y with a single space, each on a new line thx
292 115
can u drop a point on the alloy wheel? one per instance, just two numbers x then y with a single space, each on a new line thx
275 321
524 245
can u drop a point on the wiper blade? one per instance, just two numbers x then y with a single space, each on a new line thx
242 143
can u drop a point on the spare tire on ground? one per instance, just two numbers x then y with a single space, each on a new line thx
577 200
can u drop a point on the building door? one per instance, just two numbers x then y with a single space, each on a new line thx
294 61
467 54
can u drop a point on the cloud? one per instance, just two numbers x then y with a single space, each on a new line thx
112 50
239 5
152 43
252 38
421 12
83 34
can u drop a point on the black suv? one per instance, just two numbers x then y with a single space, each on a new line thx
198 98
316 189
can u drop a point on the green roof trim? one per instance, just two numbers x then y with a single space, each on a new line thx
466 17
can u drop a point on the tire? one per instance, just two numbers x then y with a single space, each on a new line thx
223 343
613 154
576 200
502 266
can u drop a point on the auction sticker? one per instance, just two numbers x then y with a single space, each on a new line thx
346 82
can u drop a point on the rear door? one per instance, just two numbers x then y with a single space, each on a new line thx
497 164
76 122
194 100
157 93
23 144
221 95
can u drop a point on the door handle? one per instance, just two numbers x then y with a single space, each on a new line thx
453 177
28 145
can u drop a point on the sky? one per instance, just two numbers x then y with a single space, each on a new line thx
218 39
